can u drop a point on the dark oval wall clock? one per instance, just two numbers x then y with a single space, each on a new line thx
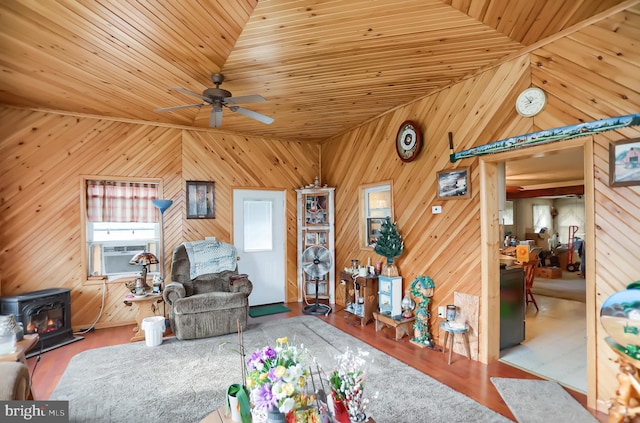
408 141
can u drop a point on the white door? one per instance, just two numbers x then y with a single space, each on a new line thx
259 235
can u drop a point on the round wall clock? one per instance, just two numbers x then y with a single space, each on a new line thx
531 101
408 141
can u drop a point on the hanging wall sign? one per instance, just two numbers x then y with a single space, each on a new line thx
548 136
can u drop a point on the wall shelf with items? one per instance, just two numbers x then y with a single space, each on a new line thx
315 213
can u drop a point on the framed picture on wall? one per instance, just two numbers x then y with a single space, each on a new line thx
454 183
624 163
200 200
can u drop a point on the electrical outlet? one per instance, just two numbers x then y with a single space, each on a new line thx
436 209
442 311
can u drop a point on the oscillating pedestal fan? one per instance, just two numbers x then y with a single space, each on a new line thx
316 262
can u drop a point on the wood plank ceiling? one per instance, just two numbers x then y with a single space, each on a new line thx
323 66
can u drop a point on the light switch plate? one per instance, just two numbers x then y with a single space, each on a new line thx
436 209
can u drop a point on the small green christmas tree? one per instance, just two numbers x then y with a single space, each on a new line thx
390 243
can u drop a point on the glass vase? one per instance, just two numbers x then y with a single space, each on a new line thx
361 417
407 305
275 416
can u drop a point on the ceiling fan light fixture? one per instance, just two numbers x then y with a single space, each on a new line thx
218 97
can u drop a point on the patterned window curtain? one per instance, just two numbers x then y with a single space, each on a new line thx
118 201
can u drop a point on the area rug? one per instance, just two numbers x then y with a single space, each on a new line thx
540 401
257 311
184 381
570 287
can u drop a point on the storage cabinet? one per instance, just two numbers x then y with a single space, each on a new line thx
390 295
361 295
315 211
512 307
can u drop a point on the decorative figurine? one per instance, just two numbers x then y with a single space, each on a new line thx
620 316
407 305
422 291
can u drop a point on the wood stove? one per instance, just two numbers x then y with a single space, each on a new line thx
46 312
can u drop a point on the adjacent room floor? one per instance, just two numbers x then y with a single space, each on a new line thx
555 342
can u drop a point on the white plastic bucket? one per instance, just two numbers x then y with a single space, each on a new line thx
153 328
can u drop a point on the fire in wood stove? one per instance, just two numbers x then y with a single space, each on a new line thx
46 312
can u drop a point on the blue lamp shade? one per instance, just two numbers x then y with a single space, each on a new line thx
162 205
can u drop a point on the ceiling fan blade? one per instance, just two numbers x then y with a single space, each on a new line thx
169 109
215 118
251 98
254 115
185 91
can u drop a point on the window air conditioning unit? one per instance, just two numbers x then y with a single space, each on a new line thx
115 258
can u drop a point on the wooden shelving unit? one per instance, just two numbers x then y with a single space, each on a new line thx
315 211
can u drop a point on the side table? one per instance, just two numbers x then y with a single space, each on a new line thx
146 308
368 291
449 333
402 327
22 347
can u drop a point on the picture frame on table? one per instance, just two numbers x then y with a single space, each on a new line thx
624 163
200 200
454 183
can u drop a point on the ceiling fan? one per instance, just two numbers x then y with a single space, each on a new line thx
219 98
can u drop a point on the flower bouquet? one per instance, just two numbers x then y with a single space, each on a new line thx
347 384
277 382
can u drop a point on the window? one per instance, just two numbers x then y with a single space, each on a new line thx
120 221
258 225
375 204
541 217
507 213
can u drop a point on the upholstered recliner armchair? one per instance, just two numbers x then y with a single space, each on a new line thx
15 382
209 304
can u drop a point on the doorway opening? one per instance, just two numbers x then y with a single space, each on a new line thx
547 196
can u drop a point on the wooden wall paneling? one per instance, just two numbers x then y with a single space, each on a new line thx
617 229
590 281
54 150
571 99
234 161
576 71
590 75
446 246
41 190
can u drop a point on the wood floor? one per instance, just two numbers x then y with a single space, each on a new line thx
468 377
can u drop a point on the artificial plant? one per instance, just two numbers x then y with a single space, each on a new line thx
389 243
